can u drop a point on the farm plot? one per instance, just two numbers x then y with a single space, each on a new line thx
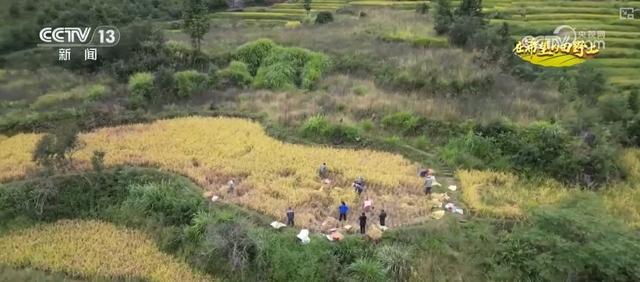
272 175
93 250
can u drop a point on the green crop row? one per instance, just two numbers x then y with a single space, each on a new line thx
390 4
514 10
258 16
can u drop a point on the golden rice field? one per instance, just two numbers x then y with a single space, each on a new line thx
272 175
15 155
92 249
504 195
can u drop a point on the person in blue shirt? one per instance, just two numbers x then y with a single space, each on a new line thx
343 211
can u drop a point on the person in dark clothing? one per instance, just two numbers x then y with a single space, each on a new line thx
383 217
363 223
359 185
323 171
290 216
343 211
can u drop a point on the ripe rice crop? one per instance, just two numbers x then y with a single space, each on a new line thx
15 155
503 195
272 175
91 249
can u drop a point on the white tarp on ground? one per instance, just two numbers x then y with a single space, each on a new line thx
304 236
277 224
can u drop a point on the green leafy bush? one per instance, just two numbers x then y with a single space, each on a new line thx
366 270
538 149
313 69
141 87
318 128
278 67
404 122
96 92
190 82
614 107
396 261
280 75
575 240
252 53
237 73
324 17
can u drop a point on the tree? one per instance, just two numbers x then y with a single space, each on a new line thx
443 18
470 8
196 22
54 151
235 4
307 6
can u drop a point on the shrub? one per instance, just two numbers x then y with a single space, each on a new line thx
280 75
313 69
324 17
574 239
141 87
396 261
165 82
237 73
96 92
423 8
252 53
164 201
284 67
614 107
340 133
367 124
633 130
190 83
293 24
443 17
314 126
403 122
366 270
319 128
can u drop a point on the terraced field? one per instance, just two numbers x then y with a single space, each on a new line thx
281 12
620 58
284 12
272 175
93 250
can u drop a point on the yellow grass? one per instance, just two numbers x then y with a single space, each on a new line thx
92 249
273 175
503 195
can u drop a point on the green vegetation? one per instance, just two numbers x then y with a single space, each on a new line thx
190 82
195 20
277 67
237 73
